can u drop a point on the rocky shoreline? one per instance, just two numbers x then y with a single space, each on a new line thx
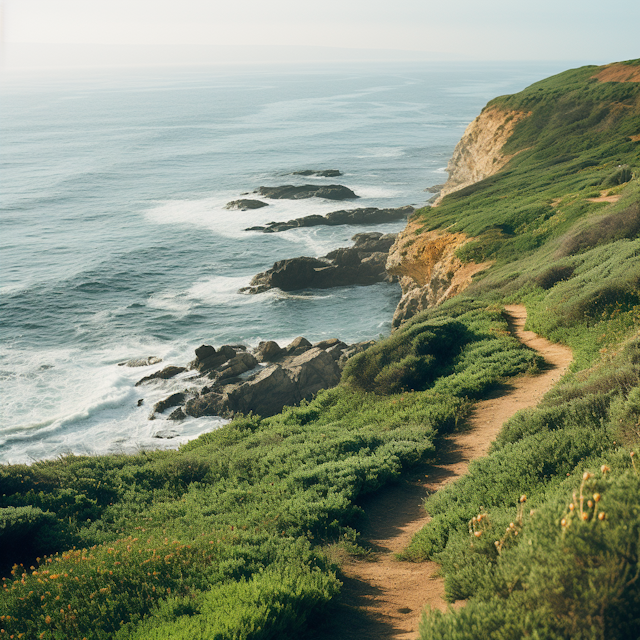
234 380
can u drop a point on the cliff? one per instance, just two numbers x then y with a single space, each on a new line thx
426 263
479 155
428 269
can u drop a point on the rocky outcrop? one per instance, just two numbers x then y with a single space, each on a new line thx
364 215
163 374
428 269
320 173
479 155
240 385
272 388
245 205
173 400
292 192
362 264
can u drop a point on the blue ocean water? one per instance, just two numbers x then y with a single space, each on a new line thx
115 244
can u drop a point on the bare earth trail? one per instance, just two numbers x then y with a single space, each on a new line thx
383 599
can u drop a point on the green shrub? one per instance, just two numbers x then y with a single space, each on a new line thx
410 360
553 275
567 577
26 532
621 175
623 224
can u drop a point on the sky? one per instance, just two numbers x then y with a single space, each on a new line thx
86 32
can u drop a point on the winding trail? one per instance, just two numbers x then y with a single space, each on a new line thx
383 598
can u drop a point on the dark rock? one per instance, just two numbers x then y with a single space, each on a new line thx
207 404
205 351
327 344
178 414
172 401
362 264
367 215
353 350
322 173
210 359
435 189
313 370
272 388
292 192
268 351
140 362
298 346
163 374
238 365
288 275
140 402
337 350
244 205
373 242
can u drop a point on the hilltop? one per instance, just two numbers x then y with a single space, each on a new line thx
241 533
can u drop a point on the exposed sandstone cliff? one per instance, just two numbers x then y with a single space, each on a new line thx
428 269
425 263
479 155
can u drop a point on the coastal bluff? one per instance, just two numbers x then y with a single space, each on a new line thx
426 261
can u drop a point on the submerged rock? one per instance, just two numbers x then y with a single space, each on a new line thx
321 173
166 434
140 362
292 192
244 205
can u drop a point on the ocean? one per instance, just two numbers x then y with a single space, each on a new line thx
115 244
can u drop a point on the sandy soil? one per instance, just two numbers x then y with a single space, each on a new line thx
619 73
383 598
604 198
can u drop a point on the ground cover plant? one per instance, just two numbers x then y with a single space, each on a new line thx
226 537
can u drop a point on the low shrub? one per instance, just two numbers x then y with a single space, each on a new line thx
553 275
616 226
573 573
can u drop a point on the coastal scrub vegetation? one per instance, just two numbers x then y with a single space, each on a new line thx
228 537
224 537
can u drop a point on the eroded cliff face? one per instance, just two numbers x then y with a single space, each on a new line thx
479 155
428 269
425 263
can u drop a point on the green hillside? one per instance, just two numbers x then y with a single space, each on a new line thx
235 535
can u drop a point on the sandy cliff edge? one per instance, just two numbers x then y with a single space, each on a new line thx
426 263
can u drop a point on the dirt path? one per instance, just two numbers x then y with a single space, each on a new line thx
383 599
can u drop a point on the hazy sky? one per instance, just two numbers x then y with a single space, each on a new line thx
590 30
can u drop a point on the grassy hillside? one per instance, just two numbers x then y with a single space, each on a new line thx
232 536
